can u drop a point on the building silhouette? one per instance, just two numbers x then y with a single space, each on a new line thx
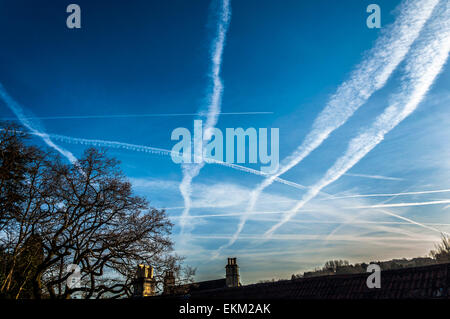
426 282
144 283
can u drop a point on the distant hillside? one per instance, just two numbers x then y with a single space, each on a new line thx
336 267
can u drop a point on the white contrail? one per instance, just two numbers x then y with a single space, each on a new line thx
387 178
112 144
356 216
114 116
166 152
389 213
368 77
392 195
278 212
192 170
301 237
435 202
386 212
382 205
425 62
389 195
162 151
17 109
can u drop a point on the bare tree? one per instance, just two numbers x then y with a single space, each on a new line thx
442 251
335 265
83 214
15 161
18 163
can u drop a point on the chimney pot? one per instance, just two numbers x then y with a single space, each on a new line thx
144 283
232 273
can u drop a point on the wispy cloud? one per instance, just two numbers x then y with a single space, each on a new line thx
157 184
224 197
17 109
331 198
282 212
374 206
424 63
190 171
290 237
368 77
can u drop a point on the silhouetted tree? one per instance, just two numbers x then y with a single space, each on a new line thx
15 161
335 265
84 214
442 251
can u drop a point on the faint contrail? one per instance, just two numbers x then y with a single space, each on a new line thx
162 151
386 212
302 221
389 195
369 76
383 205
17 109
425 62
435 202
387 178
392 195
375 207
113 116
381 228
302 237
279 212
357 215
192 170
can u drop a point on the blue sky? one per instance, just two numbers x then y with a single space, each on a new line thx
286 59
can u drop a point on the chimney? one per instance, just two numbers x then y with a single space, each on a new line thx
169 283
232 273
144 282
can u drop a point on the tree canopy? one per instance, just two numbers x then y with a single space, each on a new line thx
54 214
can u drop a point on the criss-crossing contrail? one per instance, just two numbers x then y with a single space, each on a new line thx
434 202
357 215
389 194
368 77
278 212
17 109
161 151
427 226
302 237
190 171
424 63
